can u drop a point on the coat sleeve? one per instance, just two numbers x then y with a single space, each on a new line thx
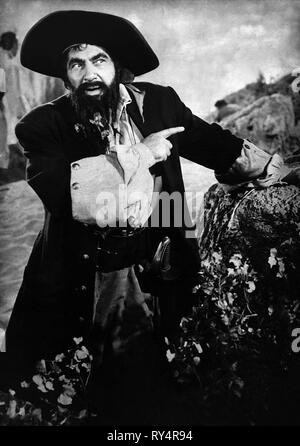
204 143
48 170
234 160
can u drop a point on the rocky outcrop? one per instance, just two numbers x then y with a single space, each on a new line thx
252 222
269 122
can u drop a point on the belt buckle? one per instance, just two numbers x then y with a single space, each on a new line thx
126 233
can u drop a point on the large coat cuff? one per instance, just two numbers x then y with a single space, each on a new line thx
254 167
108 190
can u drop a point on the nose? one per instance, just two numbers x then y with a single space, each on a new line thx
90 73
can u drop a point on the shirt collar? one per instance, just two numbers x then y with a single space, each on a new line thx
124 97
124 100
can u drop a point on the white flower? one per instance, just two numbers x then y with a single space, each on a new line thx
38 380
24 384
236 259
64 399
63 378
49 385
281 267
230 298
196 360
170 355
205 263
80 354
217 257
12 392
230 272
244 268
251 286
270 310
42 388
60 357
198 347
272 261
78 340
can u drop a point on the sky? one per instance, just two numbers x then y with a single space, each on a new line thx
207 49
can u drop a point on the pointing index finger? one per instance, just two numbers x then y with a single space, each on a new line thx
171 131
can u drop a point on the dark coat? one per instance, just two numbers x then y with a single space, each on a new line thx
56 298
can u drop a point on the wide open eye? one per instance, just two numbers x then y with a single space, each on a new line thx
100 61
75 66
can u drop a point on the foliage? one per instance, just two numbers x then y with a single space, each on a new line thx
239 332
229 349
55 395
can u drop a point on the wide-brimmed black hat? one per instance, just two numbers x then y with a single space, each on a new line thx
45 42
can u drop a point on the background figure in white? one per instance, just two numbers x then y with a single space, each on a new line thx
15 101
4 154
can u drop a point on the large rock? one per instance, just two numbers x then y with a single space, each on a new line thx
252 222
269 122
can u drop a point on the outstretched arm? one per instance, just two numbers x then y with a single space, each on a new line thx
233 159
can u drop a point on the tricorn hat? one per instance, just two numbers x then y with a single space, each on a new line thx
45 42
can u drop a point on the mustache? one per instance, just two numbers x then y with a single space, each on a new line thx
86 85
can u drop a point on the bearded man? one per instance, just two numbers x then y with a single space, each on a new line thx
85 275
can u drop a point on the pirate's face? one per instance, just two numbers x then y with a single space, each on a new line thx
91 68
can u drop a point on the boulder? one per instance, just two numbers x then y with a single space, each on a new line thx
252 222
268 122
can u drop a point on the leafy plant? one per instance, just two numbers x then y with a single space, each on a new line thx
55 395
239 332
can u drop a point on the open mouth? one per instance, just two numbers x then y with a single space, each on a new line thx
92 87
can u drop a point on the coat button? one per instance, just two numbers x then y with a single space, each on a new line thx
75 166
75 186
85 257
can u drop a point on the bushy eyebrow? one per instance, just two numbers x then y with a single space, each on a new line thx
101 54
92 59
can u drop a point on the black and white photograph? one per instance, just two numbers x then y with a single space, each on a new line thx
149 215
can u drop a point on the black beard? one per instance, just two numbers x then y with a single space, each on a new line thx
87 107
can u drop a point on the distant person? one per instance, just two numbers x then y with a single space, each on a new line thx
224 109
3 124
15 102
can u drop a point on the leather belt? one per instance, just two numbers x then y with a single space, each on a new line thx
119 249
117 232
